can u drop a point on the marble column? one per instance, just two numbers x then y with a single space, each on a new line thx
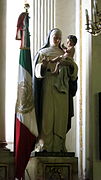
2 71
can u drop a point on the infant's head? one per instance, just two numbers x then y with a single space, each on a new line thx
72 39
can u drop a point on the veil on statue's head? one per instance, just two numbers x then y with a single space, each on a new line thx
54 30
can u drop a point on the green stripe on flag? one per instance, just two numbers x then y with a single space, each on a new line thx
25 60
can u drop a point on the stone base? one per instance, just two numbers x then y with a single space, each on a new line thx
52 167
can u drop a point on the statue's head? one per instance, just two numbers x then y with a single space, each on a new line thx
55 37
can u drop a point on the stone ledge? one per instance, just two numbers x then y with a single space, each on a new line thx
52 154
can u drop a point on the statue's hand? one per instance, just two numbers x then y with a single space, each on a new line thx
45 61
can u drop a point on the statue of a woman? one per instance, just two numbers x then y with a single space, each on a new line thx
53 94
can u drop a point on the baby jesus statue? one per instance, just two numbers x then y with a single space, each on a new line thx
64 60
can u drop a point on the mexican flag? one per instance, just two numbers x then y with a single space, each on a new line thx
25 121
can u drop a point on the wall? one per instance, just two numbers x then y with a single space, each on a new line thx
65 17
2 67
96 88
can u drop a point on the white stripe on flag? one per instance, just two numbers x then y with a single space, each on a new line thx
24 74
29 120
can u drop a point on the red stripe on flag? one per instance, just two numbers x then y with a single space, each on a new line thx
24 144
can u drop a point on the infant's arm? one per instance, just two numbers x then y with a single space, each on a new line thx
56 59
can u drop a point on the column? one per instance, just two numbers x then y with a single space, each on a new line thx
2 71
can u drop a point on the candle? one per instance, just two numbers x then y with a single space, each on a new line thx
95 6
87 19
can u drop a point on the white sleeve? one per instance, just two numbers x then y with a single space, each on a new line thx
38 70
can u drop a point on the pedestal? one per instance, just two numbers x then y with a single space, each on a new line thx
52 167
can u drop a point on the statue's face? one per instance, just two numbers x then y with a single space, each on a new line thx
70 43
55 38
